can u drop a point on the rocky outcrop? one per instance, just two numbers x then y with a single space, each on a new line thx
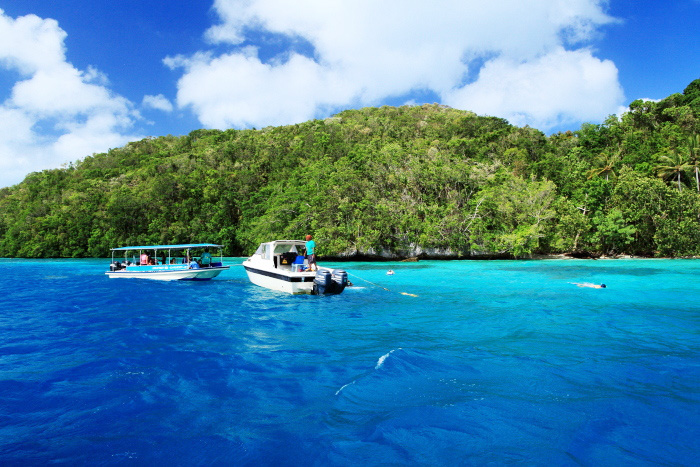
414 252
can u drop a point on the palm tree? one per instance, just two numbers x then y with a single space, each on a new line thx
694 157
605 165
672 165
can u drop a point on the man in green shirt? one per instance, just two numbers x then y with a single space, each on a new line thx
311 252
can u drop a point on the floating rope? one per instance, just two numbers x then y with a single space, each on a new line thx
380 286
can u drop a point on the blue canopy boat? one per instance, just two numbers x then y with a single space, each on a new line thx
190 261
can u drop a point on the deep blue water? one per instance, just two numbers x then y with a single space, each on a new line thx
491 363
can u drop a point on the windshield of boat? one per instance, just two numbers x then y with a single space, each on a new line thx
286 247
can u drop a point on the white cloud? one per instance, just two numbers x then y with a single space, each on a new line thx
30 43
159 102
207 87
63 90
366 51
558 88
55 112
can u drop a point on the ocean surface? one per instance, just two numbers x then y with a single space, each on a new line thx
485 362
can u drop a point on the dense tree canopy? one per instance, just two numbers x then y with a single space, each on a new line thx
415 180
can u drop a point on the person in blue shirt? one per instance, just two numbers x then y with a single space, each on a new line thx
311 252
205 259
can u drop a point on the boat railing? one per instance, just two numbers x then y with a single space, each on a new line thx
159 257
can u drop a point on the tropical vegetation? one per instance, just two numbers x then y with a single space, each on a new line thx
427 181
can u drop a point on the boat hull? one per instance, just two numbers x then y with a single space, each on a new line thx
289 282
202 274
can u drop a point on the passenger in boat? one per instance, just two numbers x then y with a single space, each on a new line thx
311 252
194 264
143 261
205 259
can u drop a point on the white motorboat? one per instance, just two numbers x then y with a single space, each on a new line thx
279 265
167 262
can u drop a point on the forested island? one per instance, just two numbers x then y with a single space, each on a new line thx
426 181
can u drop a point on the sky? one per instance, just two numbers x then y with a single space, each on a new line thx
81 77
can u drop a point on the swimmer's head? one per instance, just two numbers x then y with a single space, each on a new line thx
602 286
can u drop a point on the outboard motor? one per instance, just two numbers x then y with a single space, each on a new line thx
116 266
340 280
323 282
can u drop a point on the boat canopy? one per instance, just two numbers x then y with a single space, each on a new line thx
168 247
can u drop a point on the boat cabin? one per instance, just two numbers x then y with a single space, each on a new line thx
284 254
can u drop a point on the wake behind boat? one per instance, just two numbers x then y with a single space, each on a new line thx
168 262
279 265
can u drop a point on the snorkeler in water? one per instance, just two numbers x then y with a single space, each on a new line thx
588 284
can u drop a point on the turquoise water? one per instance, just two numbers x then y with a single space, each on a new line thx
491 363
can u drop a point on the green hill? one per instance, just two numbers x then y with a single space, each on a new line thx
426 181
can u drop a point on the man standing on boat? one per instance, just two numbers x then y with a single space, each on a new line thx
311 252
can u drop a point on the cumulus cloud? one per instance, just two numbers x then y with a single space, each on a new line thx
508 58
220 101
557 88
55 113
159 102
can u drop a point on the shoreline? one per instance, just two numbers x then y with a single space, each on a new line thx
374 259
486 257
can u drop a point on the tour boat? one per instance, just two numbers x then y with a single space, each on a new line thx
167 262
279 265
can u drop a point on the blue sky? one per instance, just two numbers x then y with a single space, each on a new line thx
84 76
